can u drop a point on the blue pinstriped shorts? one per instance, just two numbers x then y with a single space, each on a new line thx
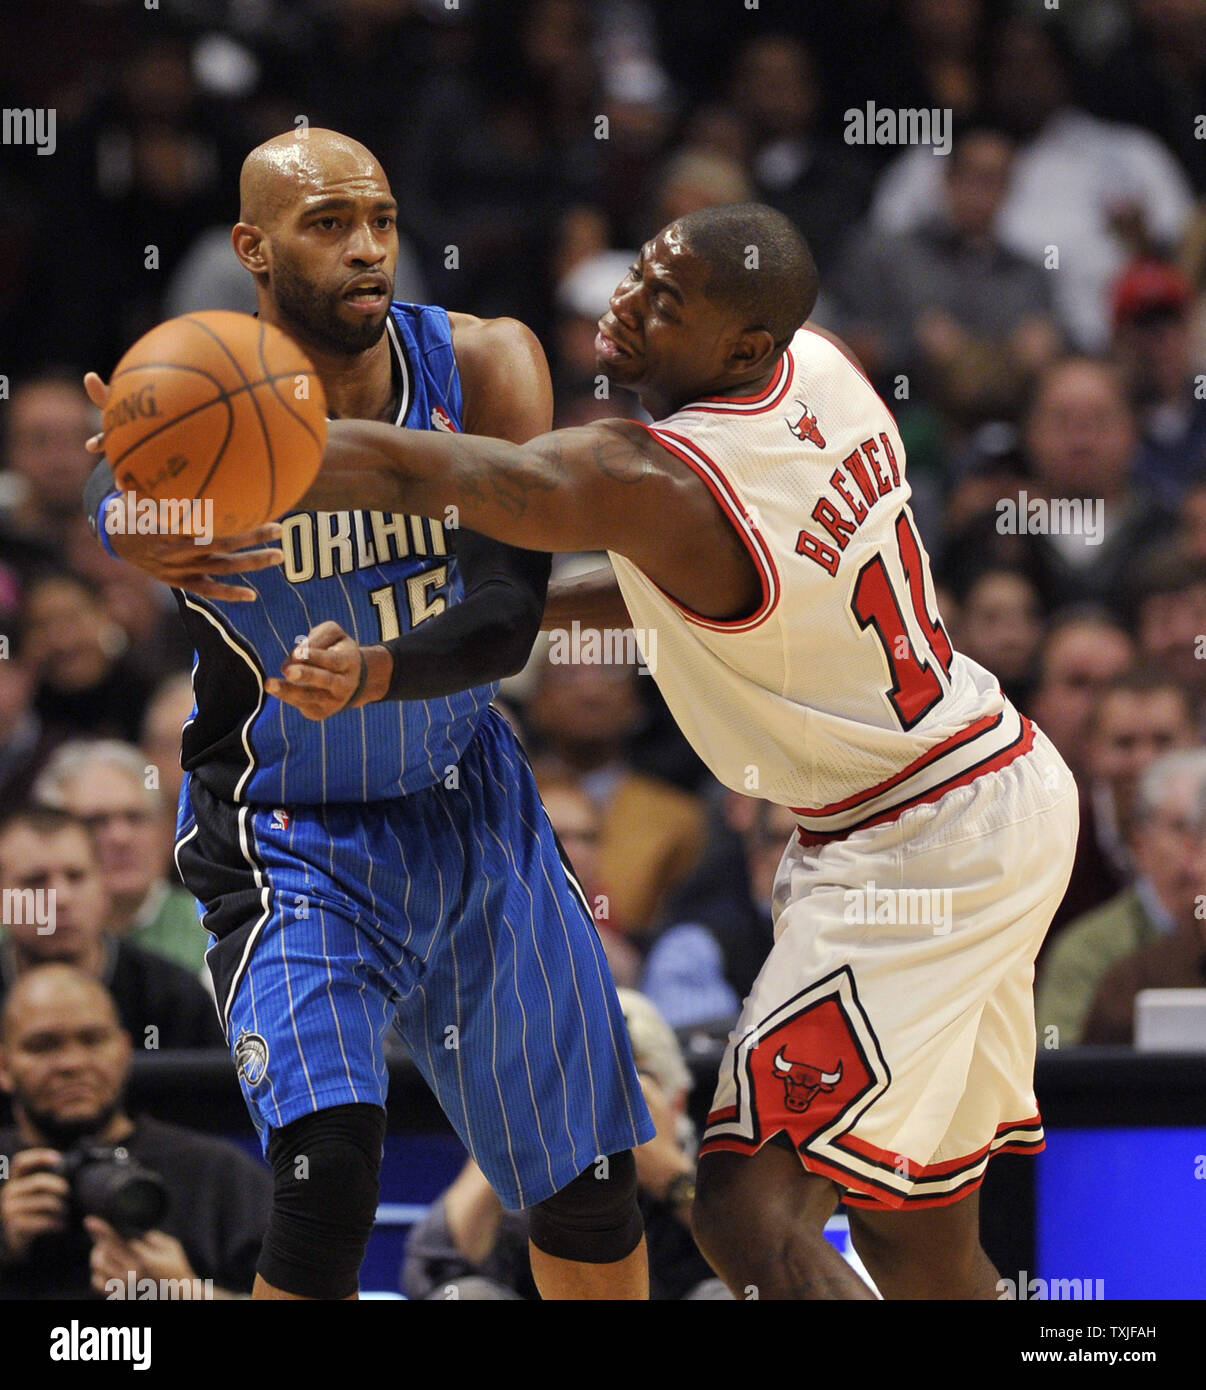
447 914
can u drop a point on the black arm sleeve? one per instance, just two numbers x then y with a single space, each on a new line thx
99 485
488 635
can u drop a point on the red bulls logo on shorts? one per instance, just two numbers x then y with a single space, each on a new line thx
804 1082
806 427
807 1069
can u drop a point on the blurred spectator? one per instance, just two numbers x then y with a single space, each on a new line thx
87 680
1080 526
575 818
1081 650
1192 513
167 712
581 299
1138 716
822 184
1153 343
1155 76
48 866
116 793
1077 183
26 739
699 972
697 178
1175 961
48 419
489 157
585 715
1000 626
942 61
144 609
1166 848
143 170
64 1060
1168 602
946 304
467 1246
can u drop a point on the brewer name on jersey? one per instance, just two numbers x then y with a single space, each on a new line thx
861 479
323 544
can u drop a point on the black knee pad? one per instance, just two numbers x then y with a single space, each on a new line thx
595 1218
326 1169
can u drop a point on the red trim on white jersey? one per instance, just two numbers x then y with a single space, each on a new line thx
973 730
778 387
987 732
722 490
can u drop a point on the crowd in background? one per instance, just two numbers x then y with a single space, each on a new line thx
1029 303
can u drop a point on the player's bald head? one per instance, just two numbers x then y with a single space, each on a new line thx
282 171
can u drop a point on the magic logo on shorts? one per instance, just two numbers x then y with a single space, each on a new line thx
251 1057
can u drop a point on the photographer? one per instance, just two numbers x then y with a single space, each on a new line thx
75 1157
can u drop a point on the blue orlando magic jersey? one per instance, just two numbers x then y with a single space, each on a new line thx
376 574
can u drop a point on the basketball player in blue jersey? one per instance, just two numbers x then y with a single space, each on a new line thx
392 864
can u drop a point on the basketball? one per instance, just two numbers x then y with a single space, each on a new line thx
216 407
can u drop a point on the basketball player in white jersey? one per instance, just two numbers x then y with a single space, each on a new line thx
761 527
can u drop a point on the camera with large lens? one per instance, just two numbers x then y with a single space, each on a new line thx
106 1182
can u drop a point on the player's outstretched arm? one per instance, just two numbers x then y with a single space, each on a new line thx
605 486
594 487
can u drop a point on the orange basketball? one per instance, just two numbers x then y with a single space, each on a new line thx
216 407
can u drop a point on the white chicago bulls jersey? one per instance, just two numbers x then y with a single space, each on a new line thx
840 696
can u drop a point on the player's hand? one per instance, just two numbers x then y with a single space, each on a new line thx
181 561
32 1201
184 563
328 671
154 1255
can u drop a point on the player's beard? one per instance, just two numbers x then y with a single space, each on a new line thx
314 313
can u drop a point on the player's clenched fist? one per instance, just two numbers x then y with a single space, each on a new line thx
32 1201
328 672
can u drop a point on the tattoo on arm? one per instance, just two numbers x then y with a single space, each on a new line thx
500 475
618 458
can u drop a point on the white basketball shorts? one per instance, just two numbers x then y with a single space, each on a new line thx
890 1032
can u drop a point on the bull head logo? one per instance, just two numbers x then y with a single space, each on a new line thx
806 427
804 1082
